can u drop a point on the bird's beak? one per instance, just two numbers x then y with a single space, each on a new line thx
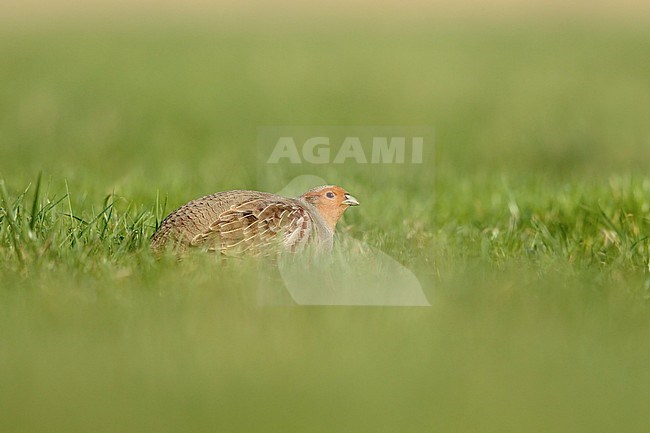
350 201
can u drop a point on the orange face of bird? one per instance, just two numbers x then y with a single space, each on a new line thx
331 202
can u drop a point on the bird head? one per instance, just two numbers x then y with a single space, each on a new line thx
330 201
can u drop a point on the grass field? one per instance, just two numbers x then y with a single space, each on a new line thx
528 227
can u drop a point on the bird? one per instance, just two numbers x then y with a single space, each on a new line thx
254 222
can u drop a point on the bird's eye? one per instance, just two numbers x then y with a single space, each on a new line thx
330 194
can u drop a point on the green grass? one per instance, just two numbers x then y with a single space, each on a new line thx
528 227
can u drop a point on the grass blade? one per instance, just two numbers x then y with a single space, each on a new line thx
32 222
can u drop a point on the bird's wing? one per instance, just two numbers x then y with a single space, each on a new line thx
256 226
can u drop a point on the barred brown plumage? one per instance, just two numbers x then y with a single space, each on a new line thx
254 222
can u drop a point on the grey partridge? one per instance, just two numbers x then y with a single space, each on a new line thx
257 223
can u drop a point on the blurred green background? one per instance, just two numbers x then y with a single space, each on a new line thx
527 229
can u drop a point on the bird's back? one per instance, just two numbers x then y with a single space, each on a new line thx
197 217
